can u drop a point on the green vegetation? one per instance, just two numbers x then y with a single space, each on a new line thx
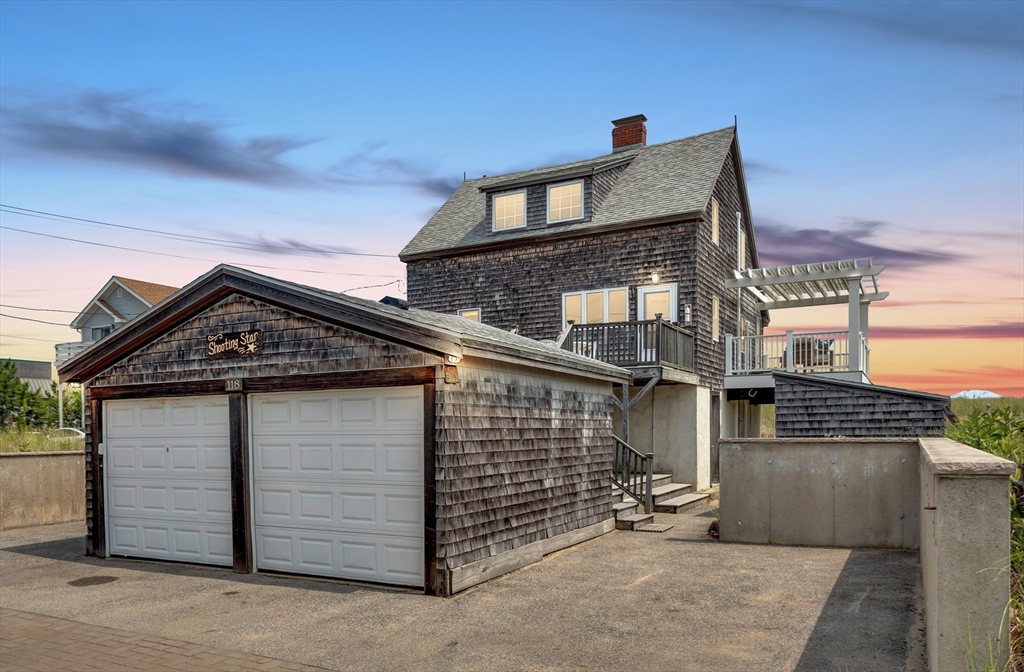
768 421
22 440
27 418
998 428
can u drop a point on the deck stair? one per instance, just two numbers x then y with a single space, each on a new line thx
668 497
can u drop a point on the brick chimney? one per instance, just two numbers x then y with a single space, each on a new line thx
629 133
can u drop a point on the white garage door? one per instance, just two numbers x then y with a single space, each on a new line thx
167 477
338 483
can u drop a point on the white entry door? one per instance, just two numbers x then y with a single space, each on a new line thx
338 483
168 490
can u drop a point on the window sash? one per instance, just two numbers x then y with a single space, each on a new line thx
565 202
714 221
470 314
508 211
596 306
714 319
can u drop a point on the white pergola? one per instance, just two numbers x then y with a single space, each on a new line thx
853 281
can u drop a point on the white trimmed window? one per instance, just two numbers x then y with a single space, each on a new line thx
714 319
509 211
565 202
470 314
714 221
599 305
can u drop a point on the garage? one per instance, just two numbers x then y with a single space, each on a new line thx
167 479
267 426
338 483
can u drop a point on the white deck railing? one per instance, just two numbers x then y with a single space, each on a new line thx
798 352
66 351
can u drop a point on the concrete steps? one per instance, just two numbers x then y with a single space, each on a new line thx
668 497
633 520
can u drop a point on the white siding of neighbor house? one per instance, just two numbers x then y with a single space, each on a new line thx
99 318
128 305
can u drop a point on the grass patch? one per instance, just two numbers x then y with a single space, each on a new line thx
767 421
15 440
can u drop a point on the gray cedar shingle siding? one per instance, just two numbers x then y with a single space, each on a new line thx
812 408
292 343
521 456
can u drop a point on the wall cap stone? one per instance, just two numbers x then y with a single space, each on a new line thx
946 457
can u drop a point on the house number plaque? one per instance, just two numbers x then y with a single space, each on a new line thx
236 344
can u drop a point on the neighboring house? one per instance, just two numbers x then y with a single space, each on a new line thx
38 375
120 300
645 258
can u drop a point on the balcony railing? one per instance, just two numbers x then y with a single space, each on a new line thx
805 352
66 351
639 343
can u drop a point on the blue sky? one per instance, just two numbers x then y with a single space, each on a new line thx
895 128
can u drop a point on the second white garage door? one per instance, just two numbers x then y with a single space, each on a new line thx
338 483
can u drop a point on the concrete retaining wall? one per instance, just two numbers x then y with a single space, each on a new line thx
41 488
821 492
947 499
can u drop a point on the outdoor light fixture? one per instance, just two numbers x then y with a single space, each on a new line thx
454 359
655 277
686 314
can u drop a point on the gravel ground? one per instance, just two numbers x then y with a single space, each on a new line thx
672 601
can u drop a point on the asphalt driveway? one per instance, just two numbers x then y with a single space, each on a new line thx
627 600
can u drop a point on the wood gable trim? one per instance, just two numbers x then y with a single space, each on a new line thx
220 284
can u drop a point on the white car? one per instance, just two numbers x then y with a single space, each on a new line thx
67 433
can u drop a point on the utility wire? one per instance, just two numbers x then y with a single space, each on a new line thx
29 319
29 338
41 310
386 284
179 256
216 242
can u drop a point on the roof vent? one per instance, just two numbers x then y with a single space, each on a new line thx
397 303
629 133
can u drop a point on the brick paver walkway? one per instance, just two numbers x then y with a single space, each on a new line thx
45 644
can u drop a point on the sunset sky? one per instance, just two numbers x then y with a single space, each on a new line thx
291 134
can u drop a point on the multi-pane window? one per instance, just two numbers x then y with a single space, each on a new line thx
601 305
470 314
565 201
510 211
714 221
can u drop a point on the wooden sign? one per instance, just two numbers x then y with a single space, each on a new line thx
236 344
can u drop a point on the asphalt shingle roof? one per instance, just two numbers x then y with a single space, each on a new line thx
660 181
150 291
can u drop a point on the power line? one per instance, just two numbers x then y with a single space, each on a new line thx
179 256
41 310
29 338
29 319
216 242
386 284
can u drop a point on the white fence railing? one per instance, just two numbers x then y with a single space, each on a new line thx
803 352
66 351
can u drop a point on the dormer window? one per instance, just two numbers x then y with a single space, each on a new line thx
509 211
565 202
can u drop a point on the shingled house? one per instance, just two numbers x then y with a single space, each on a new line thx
623 258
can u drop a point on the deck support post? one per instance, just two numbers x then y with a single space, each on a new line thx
865 365
789 351
854 335
625 412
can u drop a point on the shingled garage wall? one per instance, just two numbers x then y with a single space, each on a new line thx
819 407
523 457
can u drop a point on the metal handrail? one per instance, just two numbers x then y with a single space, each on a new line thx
633 473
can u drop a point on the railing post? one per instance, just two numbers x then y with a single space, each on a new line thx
657 338
789 351
728 354
648 488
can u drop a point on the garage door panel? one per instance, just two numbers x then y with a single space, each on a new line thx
198 542
356 556
160 500
392 510
168 479
351 411
393 458
187 416
169 457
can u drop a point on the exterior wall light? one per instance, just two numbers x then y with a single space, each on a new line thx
454 359
656 277
686 314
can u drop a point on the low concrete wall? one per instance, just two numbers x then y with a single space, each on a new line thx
41 488
965 550
820 492
947 499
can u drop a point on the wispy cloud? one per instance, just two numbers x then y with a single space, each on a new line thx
756 169
131 129
288 247
999 379
779 243
366 166
128 129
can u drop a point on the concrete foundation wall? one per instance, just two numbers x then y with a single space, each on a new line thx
679 433
820 492
41 488
965 550
949 500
